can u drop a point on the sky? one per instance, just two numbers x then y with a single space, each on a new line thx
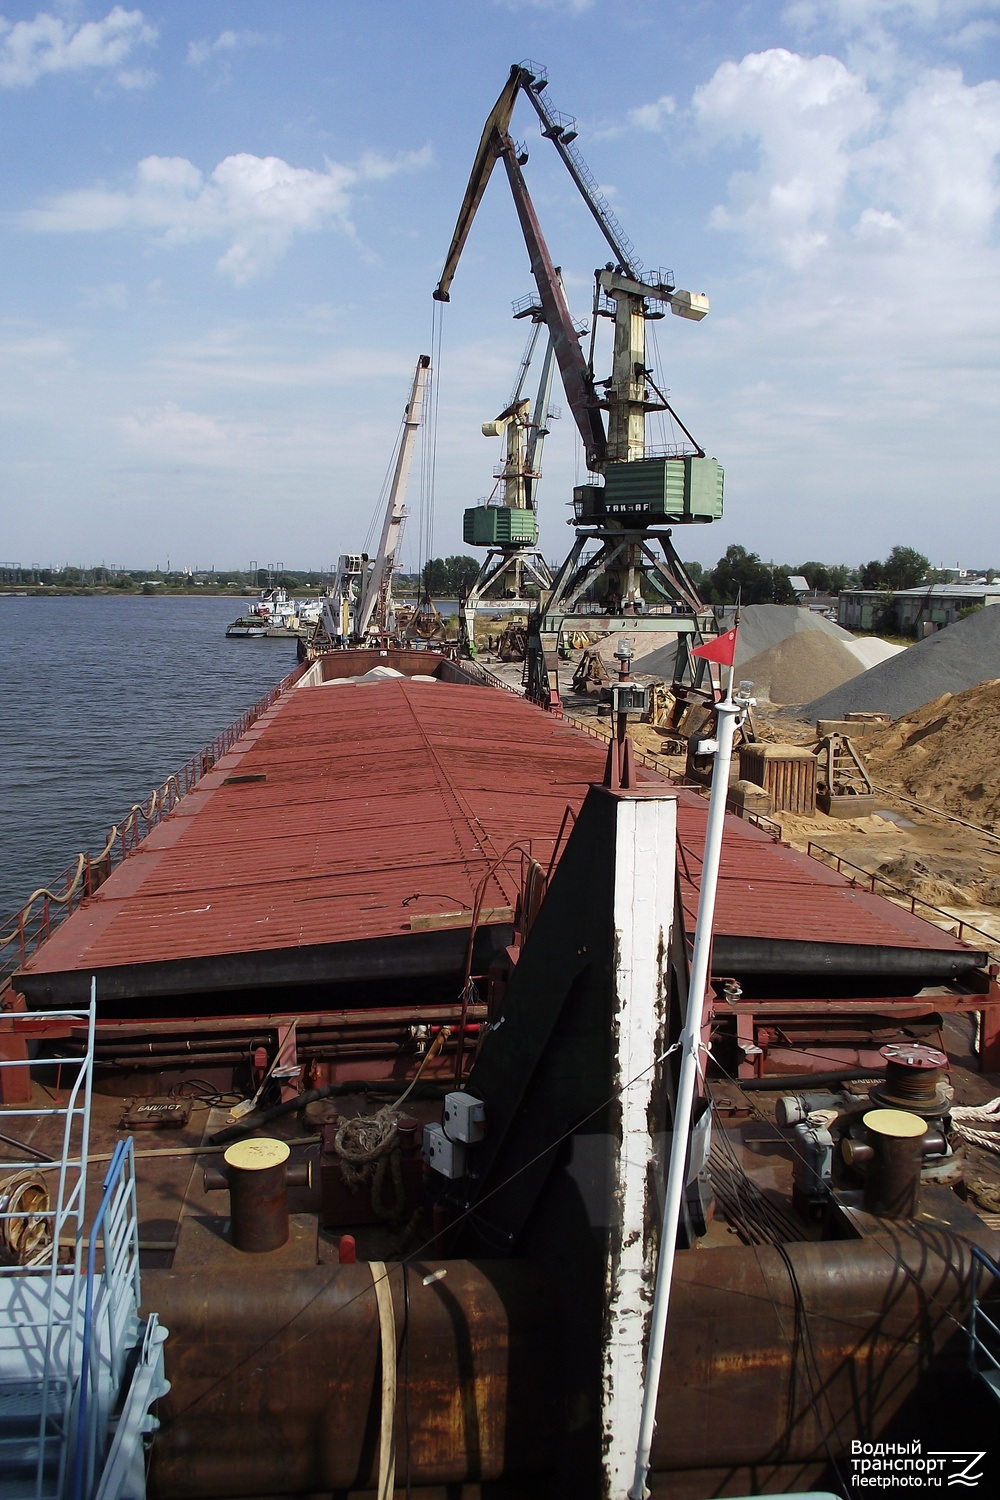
221 224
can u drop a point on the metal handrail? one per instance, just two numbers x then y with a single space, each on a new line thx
25 932
120 1243
604 733
872 878
976 1314
52 1345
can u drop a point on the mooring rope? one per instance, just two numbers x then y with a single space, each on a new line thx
26 1235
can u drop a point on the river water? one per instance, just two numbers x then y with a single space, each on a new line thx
103 698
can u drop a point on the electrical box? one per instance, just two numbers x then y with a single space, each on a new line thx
629 698
441 1154
464 1118
499 526
653 491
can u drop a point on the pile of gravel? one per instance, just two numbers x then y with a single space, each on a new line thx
801 665
951 660
761 627
871 650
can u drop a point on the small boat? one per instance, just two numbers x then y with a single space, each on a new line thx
247 626
277 616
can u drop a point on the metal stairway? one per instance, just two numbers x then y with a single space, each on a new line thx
78 1367
41 1214
984 1333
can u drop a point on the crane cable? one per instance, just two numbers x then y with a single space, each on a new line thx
428 455
378 512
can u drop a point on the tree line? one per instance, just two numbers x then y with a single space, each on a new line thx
739 572
742 573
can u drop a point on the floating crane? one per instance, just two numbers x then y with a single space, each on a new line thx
360 606
510 528
630 513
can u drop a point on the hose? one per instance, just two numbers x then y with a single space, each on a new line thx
312 1096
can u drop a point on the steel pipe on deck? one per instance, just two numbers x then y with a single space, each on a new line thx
276 1385
275 1376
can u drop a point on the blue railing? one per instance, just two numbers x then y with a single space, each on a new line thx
978 1319
115 1232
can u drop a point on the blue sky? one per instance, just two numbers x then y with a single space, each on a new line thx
221 225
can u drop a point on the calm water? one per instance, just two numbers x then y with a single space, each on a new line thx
103 699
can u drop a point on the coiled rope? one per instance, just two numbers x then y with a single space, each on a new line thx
368 1146
369 1152
968 1118
26 1224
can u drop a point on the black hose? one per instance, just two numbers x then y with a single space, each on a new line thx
311 1096
779 1083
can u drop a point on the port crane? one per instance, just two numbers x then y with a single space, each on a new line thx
360 605
509 528
630 514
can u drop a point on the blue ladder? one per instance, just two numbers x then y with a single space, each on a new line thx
42 1207
79 1366
984 1356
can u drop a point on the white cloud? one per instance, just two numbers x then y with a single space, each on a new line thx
975 34
832 157
186 434
566 7
805 114
113 295
858 16
229 359
935 165
653 116
886 32
256 203
18 343
880 193
50 45
199 52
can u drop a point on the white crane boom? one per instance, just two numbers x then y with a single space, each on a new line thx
377 589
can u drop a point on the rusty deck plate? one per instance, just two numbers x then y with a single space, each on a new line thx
350 814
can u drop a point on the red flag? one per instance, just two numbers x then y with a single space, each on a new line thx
722 649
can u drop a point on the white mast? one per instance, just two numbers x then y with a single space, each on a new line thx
730 713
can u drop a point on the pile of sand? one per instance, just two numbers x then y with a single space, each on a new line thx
945 754
800 666
949 661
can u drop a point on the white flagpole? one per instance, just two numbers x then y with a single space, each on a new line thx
730 713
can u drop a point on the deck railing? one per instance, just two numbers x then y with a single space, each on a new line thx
24 933
601 731
873 880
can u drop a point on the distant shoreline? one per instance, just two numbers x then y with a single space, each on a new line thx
50 591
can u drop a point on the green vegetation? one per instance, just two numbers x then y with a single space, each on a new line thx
767 583
446 576
152 582
741 574
904 568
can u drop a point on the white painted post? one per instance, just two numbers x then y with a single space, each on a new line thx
730 715
644 895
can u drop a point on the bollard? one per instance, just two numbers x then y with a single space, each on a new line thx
258 1177
892 1181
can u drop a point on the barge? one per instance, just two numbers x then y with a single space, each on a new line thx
404 913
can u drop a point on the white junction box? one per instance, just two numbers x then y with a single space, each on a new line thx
441 1154
464 1118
